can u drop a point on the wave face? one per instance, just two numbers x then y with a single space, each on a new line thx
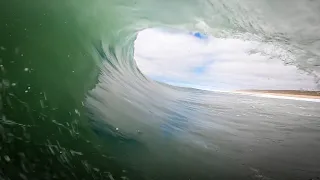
74 104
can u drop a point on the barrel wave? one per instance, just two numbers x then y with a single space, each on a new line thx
75 105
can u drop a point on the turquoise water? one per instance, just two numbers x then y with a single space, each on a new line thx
74 105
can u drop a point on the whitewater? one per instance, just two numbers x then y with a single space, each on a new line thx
74 104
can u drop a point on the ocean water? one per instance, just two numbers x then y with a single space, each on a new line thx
74 104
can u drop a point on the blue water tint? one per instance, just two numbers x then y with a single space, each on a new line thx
175 124
200 35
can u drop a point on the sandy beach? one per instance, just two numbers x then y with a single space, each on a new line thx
286 93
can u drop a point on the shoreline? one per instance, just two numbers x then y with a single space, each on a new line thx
285 93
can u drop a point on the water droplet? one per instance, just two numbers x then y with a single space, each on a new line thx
110 176
41 104
23 176
117 129
26 91
7 158
16 50
13 84
77 112
96 169
21 55
26 69
2 48
5 83
125 178
45 96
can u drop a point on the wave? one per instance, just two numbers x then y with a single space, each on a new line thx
74 103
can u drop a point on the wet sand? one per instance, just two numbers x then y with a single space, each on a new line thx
286 93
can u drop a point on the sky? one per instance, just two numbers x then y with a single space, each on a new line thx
205 62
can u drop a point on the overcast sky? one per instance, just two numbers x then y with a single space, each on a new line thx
187 59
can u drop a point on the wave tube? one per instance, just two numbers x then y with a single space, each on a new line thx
74 104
